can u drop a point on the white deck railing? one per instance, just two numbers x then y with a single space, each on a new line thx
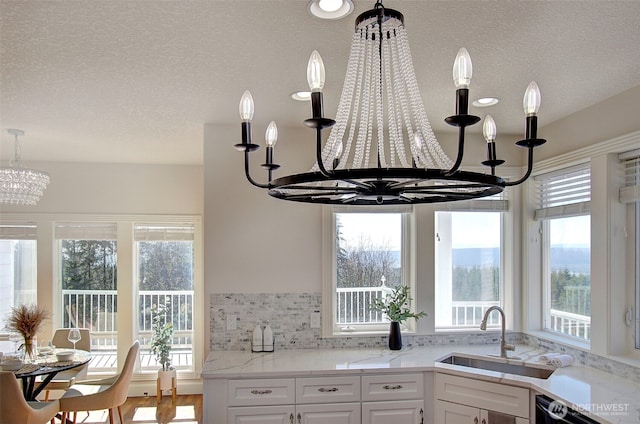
97 311
469 313
572 324
353 306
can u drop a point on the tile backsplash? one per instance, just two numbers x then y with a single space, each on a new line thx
289 316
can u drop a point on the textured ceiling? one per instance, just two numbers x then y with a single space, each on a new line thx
135 81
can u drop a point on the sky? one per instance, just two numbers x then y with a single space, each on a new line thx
470 229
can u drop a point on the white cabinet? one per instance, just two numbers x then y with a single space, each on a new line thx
327 389
337 399
393 412
279 414
339 413
269 391
454 413
336 413
393 399
464 400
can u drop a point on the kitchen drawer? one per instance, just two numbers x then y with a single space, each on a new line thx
271 391
483 394
327 389
392 387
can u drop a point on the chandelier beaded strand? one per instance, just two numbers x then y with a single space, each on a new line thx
380 120
20 185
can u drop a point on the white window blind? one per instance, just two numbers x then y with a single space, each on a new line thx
18 232
158 232
563 193
86 231
630 191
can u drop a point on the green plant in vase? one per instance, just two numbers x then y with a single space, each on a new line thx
396 305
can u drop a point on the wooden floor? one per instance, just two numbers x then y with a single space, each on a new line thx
187 409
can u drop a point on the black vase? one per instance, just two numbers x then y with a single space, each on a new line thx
395 337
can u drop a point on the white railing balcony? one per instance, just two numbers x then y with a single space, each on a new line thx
97 311
469 313
572 324
354 307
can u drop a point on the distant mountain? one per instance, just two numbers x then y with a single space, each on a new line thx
577 259
472 256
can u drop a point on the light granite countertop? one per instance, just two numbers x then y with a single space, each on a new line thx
611 399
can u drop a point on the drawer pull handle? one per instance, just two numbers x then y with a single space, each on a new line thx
291 418
299 418
396 387
325 390
261 392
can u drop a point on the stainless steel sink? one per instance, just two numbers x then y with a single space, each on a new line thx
499 365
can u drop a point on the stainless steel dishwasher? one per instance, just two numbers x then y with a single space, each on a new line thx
549 411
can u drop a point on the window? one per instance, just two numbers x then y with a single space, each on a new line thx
630 194
370 255
88 278
468 258
166 278
17 267
563 207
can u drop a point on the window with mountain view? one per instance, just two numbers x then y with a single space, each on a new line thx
371 257
468 268
564 201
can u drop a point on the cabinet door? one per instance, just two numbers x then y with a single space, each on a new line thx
393 412
454 413
327 389
268 391
331 413
281 414
392 387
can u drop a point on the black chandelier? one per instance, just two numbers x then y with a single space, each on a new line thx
381 116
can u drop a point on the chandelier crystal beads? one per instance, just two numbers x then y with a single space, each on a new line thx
381 148
20 185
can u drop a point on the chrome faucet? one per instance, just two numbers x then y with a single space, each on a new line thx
504 347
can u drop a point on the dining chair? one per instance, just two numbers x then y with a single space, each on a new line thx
65 379
15 409
107 393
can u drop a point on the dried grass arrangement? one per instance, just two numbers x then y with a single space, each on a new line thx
26 320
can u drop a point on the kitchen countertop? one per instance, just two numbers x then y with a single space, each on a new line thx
612 399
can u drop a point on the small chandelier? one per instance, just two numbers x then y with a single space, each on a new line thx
381 148
20 185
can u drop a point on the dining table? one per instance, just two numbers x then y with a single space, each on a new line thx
36 375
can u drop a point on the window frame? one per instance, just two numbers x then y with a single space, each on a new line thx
608 246
550 204
49 286
330 327
500 206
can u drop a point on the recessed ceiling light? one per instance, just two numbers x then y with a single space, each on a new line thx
330 9
301 96
486 101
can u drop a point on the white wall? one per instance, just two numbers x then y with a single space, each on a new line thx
255 243
118 189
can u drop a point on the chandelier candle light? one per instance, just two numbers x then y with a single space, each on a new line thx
20 185
380 117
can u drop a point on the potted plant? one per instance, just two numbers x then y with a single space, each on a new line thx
26 321
396 305
161 347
